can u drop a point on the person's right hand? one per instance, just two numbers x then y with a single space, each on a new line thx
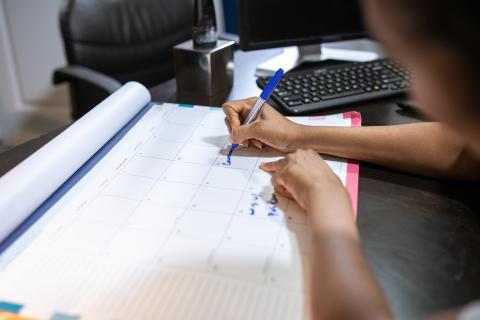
270 127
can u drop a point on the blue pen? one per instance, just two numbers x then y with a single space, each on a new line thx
264 96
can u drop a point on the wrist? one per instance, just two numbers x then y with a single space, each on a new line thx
310 137
301 136
319 194
329 210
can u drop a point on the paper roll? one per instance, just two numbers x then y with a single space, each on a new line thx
29 184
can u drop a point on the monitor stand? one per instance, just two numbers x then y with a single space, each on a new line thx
292 57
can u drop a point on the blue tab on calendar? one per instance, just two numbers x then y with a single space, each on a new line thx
62 316
10 307
186 105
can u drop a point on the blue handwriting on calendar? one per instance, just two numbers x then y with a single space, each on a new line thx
229 157
255 202
273 210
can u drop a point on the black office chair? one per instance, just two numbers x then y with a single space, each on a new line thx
108 43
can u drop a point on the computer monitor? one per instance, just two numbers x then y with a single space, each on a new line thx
280 23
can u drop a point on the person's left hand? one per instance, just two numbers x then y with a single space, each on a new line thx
305 177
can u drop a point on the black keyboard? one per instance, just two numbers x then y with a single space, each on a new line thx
338 85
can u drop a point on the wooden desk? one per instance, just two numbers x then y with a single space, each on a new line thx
421 236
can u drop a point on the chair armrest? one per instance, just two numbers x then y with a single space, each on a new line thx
74 72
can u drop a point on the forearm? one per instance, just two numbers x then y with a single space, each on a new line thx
343 285
423 148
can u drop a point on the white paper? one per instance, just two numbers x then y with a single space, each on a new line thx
28 185
162 228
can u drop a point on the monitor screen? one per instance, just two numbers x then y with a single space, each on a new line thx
278 23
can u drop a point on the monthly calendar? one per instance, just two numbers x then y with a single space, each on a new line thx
168 225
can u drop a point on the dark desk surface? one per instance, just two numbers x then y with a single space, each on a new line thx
421 236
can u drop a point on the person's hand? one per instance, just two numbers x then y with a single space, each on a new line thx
270 127
305 177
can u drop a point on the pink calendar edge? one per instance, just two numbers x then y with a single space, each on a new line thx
353 168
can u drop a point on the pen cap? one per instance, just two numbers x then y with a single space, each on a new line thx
267 92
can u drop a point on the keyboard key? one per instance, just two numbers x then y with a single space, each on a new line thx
319 71
294 103
391 80
341 95
282 94
290 98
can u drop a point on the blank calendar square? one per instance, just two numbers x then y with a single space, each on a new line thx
198 154
227 178
155 217
255 232
109 209
163 149
174 132
242 262
136 244
186 172
146 167
210 137
190 253
216 200
129 187
187 116
204 225
172 193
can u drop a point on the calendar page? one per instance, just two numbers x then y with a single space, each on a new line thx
168 225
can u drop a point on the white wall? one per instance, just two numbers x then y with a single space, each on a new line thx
37 47
30 49
10 99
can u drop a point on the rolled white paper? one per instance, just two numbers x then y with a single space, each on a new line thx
24 188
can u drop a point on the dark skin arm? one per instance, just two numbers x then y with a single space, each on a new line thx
343 286
429 149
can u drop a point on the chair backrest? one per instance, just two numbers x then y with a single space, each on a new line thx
126 39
